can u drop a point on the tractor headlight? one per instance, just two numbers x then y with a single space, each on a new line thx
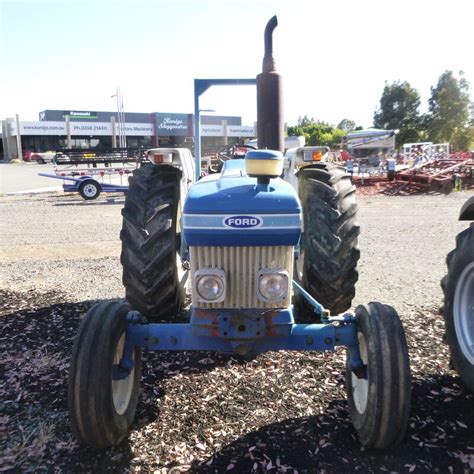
210 286
272 284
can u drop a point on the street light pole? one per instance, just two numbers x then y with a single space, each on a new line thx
118 116
197 133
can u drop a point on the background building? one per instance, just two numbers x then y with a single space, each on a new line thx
60 129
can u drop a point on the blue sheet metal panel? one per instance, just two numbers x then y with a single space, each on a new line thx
233 209
241 229
234 192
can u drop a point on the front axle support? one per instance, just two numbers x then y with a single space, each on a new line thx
242 332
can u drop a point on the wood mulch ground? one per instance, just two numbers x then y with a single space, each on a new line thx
281 412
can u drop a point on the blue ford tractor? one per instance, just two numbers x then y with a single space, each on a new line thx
261 256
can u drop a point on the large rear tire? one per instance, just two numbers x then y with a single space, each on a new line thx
101 409
328 263
150 242
379 399
458 287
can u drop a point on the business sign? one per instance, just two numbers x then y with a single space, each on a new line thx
171 125
105 128
85 128
168 126
81 128
136 129
39 128
232 131
76 115
212 130
240 131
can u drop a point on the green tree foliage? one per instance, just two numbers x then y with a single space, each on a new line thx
450 117
398 109
346 125
317 132
449 107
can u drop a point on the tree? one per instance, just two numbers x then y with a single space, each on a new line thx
346 125
398 109
317 133
449 108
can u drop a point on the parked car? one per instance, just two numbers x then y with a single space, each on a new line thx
43 158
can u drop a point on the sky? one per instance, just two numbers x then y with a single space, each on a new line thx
334 56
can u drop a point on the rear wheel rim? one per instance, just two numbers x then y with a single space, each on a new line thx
90 190
122 389
463 311
360 387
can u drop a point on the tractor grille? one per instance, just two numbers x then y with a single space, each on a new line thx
241 265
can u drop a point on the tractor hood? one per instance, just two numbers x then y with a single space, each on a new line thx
232 209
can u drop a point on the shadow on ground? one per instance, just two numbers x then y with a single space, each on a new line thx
175 421
436 440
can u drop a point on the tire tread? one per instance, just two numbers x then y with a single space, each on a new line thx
149 242
89 398
331 231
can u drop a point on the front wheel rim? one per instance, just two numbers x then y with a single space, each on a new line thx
360 387
122 389
463 312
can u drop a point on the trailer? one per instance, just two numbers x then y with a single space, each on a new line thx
87 186
86 171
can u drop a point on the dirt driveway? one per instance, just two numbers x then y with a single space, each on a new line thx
281 412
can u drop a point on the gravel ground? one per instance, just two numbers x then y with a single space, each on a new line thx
63 242
280 412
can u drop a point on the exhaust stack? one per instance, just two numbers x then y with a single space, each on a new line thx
270 130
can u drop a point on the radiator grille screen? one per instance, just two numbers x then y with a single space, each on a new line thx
241 265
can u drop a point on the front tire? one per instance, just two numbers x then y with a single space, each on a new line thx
458 287
150 242
328 265
101 410
379 401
